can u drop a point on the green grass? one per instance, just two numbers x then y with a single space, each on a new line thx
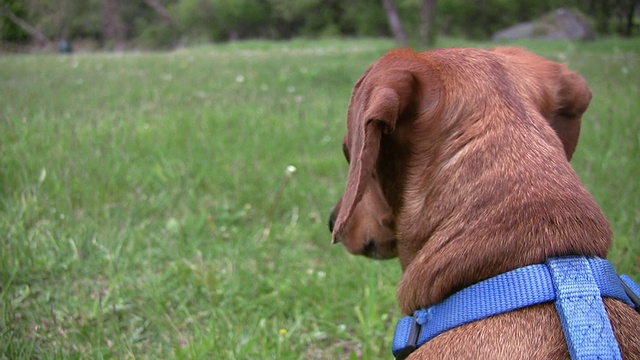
146 210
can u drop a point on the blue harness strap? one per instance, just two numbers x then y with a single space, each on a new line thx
585 323
524 287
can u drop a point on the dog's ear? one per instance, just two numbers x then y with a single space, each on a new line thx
375 107
562 95
573 98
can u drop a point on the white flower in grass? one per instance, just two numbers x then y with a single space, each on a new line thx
43 175
173 225
290 170
240 79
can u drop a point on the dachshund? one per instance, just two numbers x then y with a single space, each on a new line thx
459 166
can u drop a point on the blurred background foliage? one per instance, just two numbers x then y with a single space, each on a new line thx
157 24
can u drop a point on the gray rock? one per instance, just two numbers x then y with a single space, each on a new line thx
560 24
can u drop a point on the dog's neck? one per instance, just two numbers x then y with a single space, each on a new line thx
492 204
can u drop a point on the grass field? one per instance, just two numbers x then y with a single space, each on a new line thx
147 210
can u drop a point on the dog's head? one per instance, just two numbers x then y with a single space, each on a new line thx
397 90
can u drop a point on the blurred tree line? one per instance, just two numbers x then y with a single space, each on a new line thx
167 23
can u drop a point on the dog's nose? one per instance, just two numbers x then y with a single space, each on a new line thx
369 249
332 221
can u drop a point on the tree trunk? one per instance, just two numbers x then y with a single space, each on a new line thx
113 28
603 16
428 23
161 10
630 13
38 36
394 22
65 11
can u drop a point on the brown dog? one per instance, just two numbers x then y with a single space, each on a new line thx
458 165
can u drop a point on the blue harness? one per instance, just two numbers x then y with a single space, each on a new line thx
575 284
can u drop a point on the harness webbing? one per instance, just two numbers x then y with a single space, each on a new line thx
559 279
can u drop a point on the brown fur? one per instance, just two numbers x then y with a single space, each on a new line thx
459 166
